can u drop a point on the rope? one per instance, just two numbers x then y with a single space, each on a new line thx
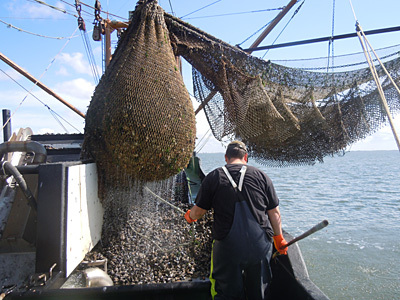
354 13
165 201
365 44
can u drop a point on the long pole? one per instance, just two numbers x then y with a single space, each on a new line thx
323 39
310 231
107 44
39 84
6 125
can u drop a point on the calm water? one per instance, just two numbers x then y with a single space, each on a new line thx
357 256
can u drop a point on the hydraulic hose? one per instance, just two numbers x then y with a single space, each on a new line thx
40 156
25 146
12 170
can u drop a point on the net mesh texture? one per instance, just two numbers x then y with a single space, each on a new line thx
140 123
286 116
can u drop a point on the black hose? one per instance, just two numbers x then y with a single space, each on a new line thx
27 169
12 170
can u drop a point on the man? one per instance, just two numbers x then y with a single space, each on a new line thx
246 217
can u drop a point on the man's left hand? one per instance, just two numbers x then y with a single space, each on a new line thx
188 218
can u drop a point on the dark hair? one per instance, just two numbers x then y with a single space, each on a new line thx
236 149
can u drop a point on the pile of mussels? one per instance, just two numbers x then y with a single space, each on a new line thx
147 241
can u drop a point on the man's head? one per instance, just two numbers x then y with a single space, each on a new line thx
236 150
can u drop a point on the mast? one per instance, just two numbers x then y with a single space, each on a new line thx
254 45
39 84
109 27
272 25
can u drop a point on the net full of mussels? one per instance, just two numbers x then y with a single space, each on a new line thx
140 123
140 127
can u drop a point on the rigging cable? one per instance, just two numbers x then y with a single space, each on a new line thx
86 42
330 44
200 147
44 72
367 48
52 112
54 7
32 33
237 13
199 142
172 10
200 9
295 13
280 61
262 28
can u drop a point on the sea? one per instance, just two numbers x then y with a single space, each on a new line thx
357 256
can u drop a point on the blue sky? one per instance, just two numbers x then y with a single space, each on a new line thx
29 30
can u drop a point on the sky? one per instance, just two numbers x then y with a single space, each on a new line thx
46 43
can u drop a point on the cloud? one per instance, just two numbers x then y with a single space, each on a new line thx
62 71
35 10
75 62
78 91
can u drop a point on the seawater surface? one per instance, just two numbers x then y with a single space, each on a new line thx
357 256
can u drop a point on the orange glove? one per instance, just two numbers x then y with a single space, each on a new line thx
280 244
188 218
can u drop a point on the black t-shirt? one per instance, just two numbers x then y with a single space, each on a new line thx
217 192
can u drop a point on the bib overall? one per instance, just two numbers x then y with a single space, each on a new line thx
240 262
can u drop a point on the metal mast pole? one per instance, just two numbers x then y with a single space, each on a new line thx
254 45
272 25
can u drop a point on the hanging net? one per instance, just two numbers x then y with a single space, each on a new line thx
286 116
140 123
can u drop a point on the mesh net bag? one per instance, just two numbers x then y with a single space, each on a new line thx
140 123
286 116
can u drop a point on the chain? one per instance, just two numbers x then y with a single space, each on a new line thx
97 9
98 28
81 22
